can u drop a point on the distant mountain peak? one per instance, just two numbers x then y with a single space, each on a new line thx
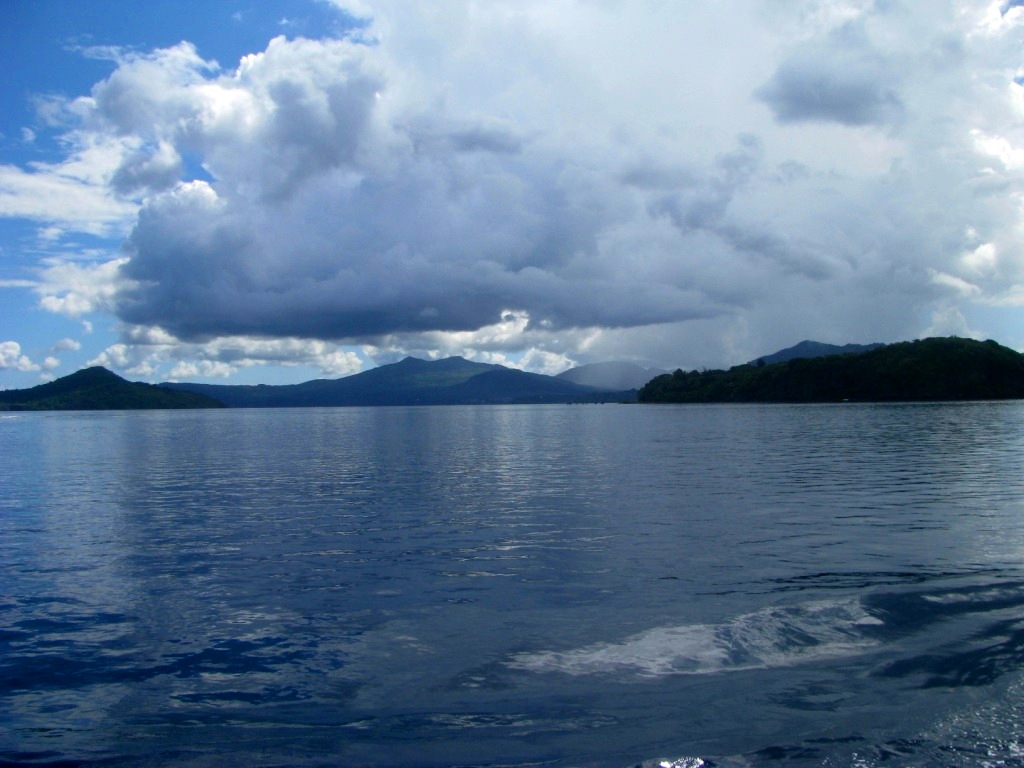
412 381
811 349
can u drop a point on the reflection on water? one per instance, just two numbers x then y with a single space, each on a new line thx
587 585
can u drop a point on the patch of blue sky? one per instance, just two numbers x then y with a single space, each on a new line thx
192 168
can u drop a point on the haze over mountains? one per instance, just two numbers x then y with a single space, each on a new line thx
612 375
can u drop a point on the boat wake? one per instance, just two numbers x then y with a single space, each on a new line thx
773 637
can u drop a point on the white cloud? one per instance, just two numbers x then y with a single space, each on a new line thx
12 358
18 283
957 284
982 260
54 194
950 321
542 361
118 356
154 353
75 289
67 345
200 369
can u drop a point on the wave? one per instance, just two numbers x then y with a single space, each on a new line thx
773 637
781 636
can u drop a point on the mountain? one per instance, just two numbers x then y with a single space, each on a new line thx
94 389
930 369
412 381
612 376
508 385
807 349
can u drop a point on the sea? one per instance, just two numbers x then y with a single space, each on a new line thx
592 586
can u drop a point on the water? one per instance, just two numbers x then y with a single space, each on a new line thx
514 586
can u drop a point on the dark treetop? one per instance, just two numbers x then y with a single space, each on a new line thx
97 389
930 369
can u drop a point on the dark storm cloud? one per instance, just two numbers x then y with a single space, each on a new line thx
841 80
336 214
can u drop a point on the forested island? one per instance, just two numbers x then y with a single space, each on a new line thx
927 370
97 389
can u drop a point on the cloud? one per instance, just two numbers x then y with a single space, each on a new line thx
64 194
73 288
12 358
950 321
841 79
346 209
148 350
957 284
67 345
514 181
148 169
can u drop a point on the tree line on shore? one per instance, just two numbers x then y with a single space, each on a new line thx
926 370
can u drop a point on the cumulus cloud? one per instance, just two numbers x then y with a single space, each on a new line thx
73 288
148 351
12 358
67 345
343 210
513 182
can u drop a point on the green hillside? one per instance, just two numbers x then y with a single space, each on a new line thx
97 389
930 369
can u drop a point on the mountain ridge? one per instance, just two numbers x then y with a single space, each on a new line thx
412 381
810 349
928 369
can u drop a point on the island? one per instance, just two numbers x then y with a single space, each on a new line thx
934 369
97 389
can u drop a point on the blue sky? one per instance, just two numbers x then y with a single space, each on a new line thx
278 191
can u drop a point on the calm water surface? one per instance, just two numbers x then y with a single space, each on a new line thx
538 585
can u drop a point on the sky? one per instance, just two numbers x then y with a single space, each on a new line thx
271 191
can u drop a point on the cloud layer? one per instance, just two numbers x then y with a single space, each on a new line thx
663 182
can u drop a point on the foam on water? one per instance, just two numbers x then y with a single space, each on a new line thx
773 637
